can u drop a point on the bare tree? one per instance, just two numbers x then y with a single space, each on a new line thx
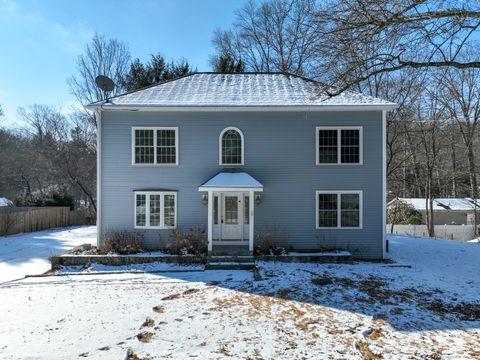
102 57
64 146
390 35
459 93
275 35
430 117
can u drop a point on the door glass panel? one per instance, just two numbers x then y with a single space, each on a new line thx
215 210
246 213
231 210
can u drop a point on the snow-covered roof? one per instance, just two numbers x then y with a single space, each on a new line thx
232 179
240 90
5 202
459 204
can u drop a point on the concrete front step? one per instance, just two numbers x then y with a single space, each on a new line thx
234 259
230 266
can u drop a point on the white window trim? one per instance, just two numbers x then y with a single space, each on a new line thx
339 144
155 128
339 205
147 209
220 146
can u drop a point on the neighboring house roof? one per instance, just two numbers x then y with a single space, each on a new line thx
455 204
232 179
240 90
5 202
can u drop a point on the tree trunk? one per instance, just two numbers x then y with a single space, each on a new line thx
429 206
473 182
454 170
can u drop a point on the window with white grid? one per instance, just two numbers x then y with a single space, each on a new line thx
339 145
350 146
155 209
155 146
166 146
231 147
327 146
144 146
339 209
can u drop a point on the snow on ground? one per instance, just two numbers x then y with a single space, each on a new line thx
27 254
430 310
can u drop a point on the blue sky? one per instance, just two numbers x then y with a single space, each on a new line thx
41 40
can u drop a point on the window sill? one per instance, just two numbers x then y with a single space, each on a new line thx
339 164
154 228
152 165
339 228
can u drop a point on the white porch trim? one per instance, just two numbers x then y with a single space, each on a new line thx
232 182
250 222
229 189
210 221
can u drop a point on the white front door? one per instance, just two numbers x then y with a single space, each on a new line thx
231 219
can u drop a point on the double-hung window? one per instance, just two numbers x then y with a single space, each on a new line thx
155 209
155 145
339 145
339 209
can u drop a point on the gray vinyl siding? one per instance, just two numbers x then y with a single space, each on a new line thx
280 152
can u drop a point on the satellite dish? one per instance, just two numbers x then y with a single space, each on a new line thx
105 84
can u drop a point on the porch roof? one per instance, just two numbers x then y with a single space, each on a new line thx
232 180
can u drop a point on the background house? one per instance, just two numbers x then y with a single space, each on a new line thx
5 202
459 211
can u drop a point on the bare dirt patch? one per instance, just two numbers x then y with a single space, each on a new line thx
148 322
159 309
190 291
145 336
171 297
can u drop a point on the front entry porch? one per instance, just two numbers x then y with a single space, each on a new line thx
231 201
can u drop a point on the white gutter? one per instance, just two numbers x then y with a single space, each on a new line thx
230 108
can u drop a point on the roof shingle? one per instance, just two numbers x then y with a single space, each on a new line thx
241 89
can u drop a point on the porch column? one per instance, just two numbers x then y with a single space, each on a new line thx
210 221
250 223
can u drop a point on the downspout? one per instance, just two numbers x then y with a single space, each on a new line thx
384 183
98 115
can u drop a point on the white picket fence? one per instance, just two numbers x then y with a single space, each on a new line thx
450 232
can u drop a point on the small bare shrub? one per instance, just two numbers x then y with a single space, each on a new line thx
122 242
267 241
192 242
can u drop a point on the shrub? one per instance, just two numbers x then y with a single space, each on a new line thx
402 213
192 242
122 242
55 195
267 241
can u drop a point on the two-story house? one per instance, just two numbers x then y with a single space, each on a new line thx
241 153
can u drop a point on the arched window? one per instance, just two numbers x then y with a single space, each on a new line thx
231 147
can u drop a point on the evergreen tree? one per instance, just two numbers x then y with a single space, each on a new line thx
153 72
226 63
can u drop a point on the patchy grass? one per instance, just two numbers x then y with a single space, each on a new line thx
467 312
364 349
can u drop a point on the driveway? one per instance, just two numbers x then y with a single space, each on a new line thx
27 254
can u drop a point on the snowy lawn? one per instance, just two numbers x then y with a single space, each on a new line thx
27 254
426 305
